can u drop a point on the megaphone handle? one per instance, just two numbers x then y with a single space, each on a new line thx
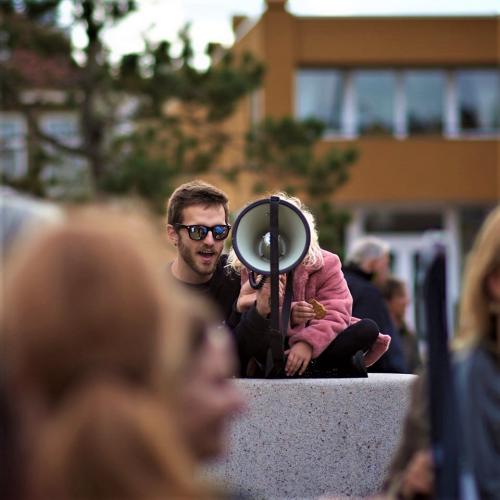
287 304
274 264
256 285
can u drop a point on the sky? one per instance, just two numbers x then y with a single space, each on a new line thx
210 20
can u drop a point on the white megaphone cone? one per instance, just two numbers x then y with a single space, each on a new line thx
252 237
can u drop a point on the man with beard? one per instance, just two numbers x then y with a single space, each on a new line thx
197 225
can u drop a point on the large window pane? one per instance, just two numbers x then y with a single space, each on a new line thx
319 95
374 94
479 100
424 101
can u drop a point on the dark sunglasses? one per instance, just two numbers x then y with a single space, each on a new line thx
198 232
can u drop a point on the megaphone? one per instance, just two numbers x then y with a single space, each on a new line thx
271 237
252 236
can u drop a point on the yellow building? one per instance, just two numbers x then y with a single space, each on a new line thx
418 97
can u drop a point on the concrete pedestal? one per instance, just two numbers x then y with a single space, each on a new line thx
311 437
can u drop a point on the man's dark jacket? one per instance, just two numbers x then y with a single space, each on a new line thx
250 329
367 302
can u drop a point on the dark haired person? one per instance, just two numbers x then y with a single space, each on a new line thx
396 297
197 225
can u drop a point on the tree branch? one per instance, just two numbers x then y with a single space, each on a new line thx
49 139
35 127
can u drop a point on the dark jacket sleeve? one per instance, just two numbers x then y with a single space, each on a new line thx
370 304
252 337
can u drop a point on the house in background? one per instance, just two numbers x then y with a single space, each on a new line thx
418 97
44 95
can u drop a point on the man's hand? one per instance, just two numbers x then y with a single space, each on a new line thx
264 296
246 298
302 312
298 358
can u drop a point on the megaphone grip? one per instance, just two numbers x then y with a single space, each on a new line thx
256 285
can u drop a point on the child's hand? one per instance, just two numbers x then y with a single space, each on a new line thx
298 358
301 313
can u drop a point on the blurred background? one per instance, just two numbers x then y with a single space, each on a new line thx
384 119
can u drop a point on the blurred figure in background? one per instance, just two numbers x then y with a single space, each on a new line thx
367 265
396 296
99 357
476 371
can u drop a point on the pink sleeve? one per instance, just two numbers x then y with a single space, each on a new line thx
333 293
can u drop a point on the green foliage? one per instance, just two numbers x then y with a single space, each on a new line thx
331 224
283 145
145 161
285 148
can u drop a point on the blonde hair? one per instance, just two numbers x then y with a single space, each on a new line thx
476 305
314 256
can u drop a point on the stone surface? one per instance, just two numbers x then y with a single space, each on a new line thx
311 437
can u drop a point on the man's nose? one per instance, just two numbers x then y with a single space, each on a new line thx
209 238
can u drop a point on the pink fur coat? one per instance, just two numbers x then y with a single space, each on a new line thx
325 282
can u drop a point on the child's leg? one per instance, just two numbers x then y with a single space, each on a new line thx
358 337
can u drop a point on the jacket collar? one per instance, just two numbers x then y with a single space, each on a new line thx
355 269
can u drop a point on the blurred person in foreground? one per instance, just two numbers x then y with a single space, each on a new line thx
395 293
476 370
21 217
100 363
330 343
367 265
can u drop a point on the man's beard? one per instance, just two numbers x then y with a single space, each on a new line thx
188 255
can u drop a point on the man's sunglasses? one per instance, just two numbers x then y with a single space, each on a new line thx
198 232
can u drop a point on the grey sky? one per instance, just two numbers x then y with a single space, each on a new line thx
211 19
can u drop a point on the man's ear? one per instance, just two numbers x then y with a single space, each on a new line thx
172 234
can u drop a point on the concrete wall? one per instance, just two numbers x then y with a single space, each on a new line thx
306 438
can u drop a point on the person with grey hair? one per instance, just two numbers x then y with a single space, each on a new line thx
367 265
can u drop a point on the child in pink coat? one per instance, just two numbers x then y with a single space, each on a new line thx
336 344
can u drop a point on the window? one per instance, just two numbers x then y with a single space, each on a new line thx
63 126
319 95
478 94
424 92
374 98
65 174
13 154
401 102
